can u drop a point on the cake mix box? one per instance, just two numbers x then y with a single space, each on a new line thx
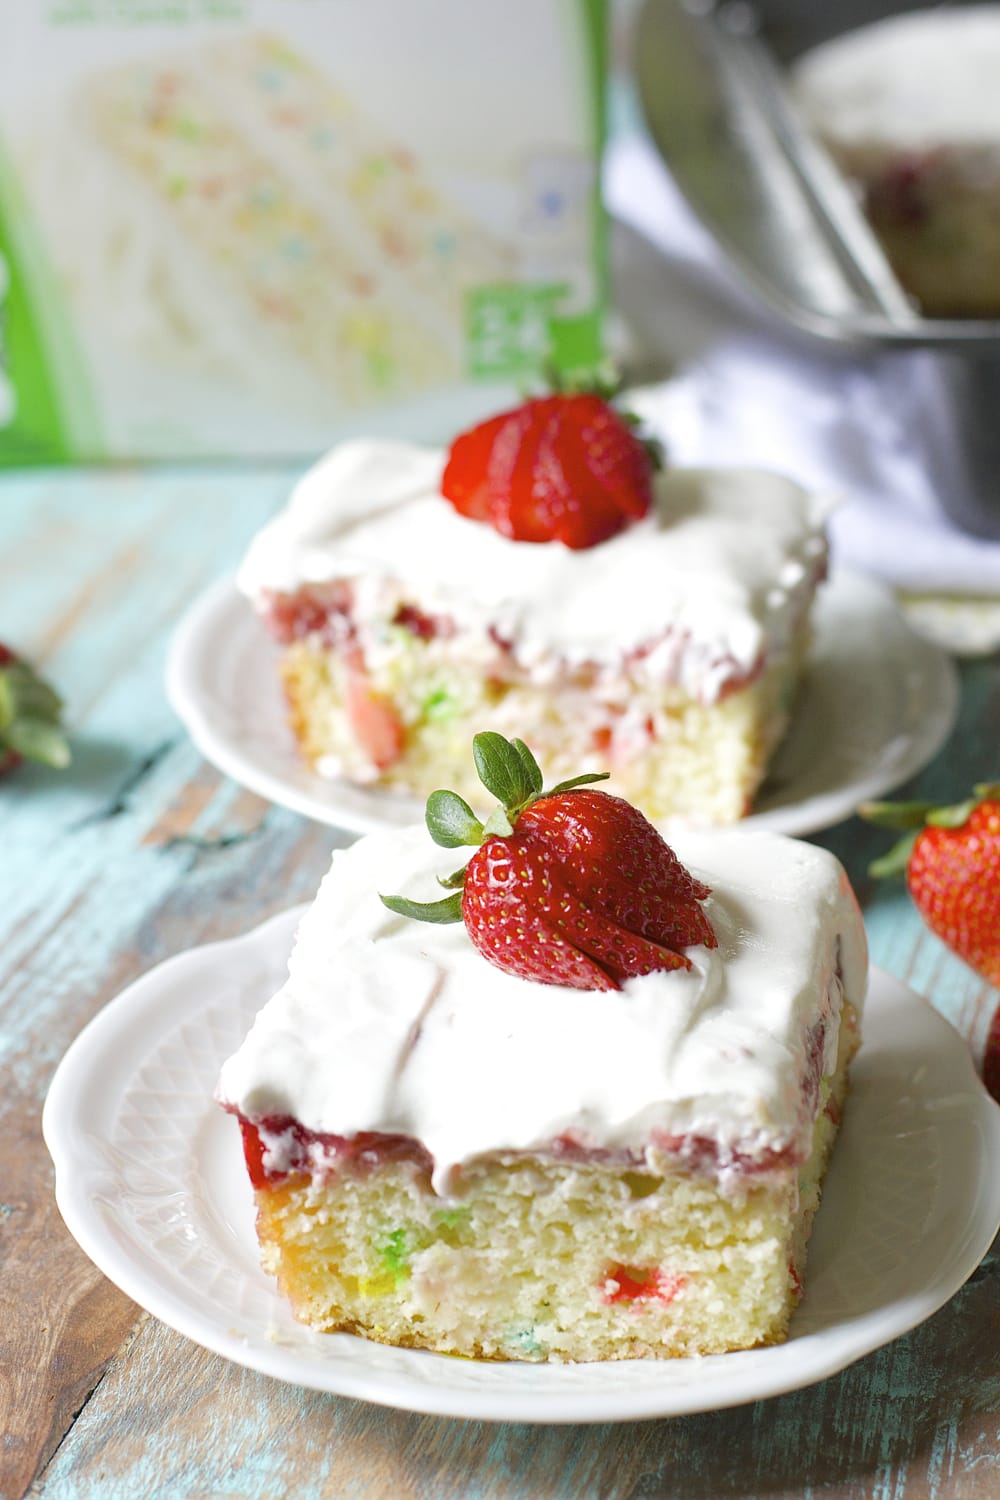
250 227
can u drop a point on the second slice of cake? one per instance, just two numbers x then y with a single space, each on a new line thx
669 651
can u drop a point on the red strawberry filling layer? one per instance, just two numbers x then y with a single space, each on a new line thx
278 1148
324 613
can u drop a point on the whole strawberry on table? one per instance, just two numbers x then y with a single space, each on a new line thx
30 716
951 859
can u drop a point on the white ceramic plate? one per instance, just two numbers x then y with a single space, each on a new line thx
150 1180
877 703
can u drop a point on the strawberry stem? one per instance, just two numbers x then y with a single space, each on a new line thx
506 768
498 824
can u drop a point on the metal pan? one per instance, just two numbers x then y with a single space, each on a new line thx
713 94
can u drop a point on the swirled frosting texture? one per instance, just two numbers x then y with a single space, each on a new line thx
391 1025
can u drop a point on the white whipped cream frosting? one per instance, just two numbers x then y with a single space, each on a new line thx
920 80
723 559
386 1024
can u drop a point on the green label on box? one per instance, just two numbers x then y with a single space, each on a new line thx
508 329
46 408
30 431
30 427
513 331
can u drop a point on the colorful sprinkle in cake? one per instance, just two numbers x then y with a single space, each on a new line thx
581 1111
544 577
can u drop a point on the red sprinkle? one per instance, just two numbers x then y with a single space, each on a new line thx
425 627
641 1284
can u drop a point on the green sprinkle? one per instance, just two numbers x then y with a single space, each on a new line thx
440 705
451 1218
525 1342
395 1252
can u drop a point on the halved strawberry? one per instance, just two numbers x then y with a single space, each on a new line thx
30 713
566 467
570 887
374 720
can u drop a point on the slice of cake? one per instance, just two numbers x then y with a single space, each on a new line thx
542 578
910 109
587 1120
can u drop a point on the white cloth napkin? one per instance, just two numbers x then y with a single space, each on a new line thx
753 390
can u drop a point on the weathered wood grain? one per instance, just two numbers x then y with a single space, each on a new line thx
177 1421
89 861
141 850
60 1320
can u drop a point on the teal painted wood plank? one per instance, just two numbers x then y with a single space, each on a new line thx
73 842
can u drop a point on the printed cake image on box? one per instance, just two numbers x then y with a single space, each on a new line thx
249 228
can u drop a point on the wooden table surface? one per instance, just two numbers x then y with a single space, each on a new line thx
140 850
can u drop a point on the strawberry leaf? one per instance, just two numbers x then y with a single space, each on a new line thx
451 821
29 695
953 817
36 739
447 910
29 716
896 861
574 781
502 770
530 765
455 880
901 815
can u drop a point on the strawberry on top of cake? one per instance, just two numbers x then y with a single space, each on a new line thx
591 1066
543 576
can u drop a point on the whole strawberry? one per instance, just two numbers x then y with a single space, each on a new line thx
30 713
566 467
951 858
570 887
